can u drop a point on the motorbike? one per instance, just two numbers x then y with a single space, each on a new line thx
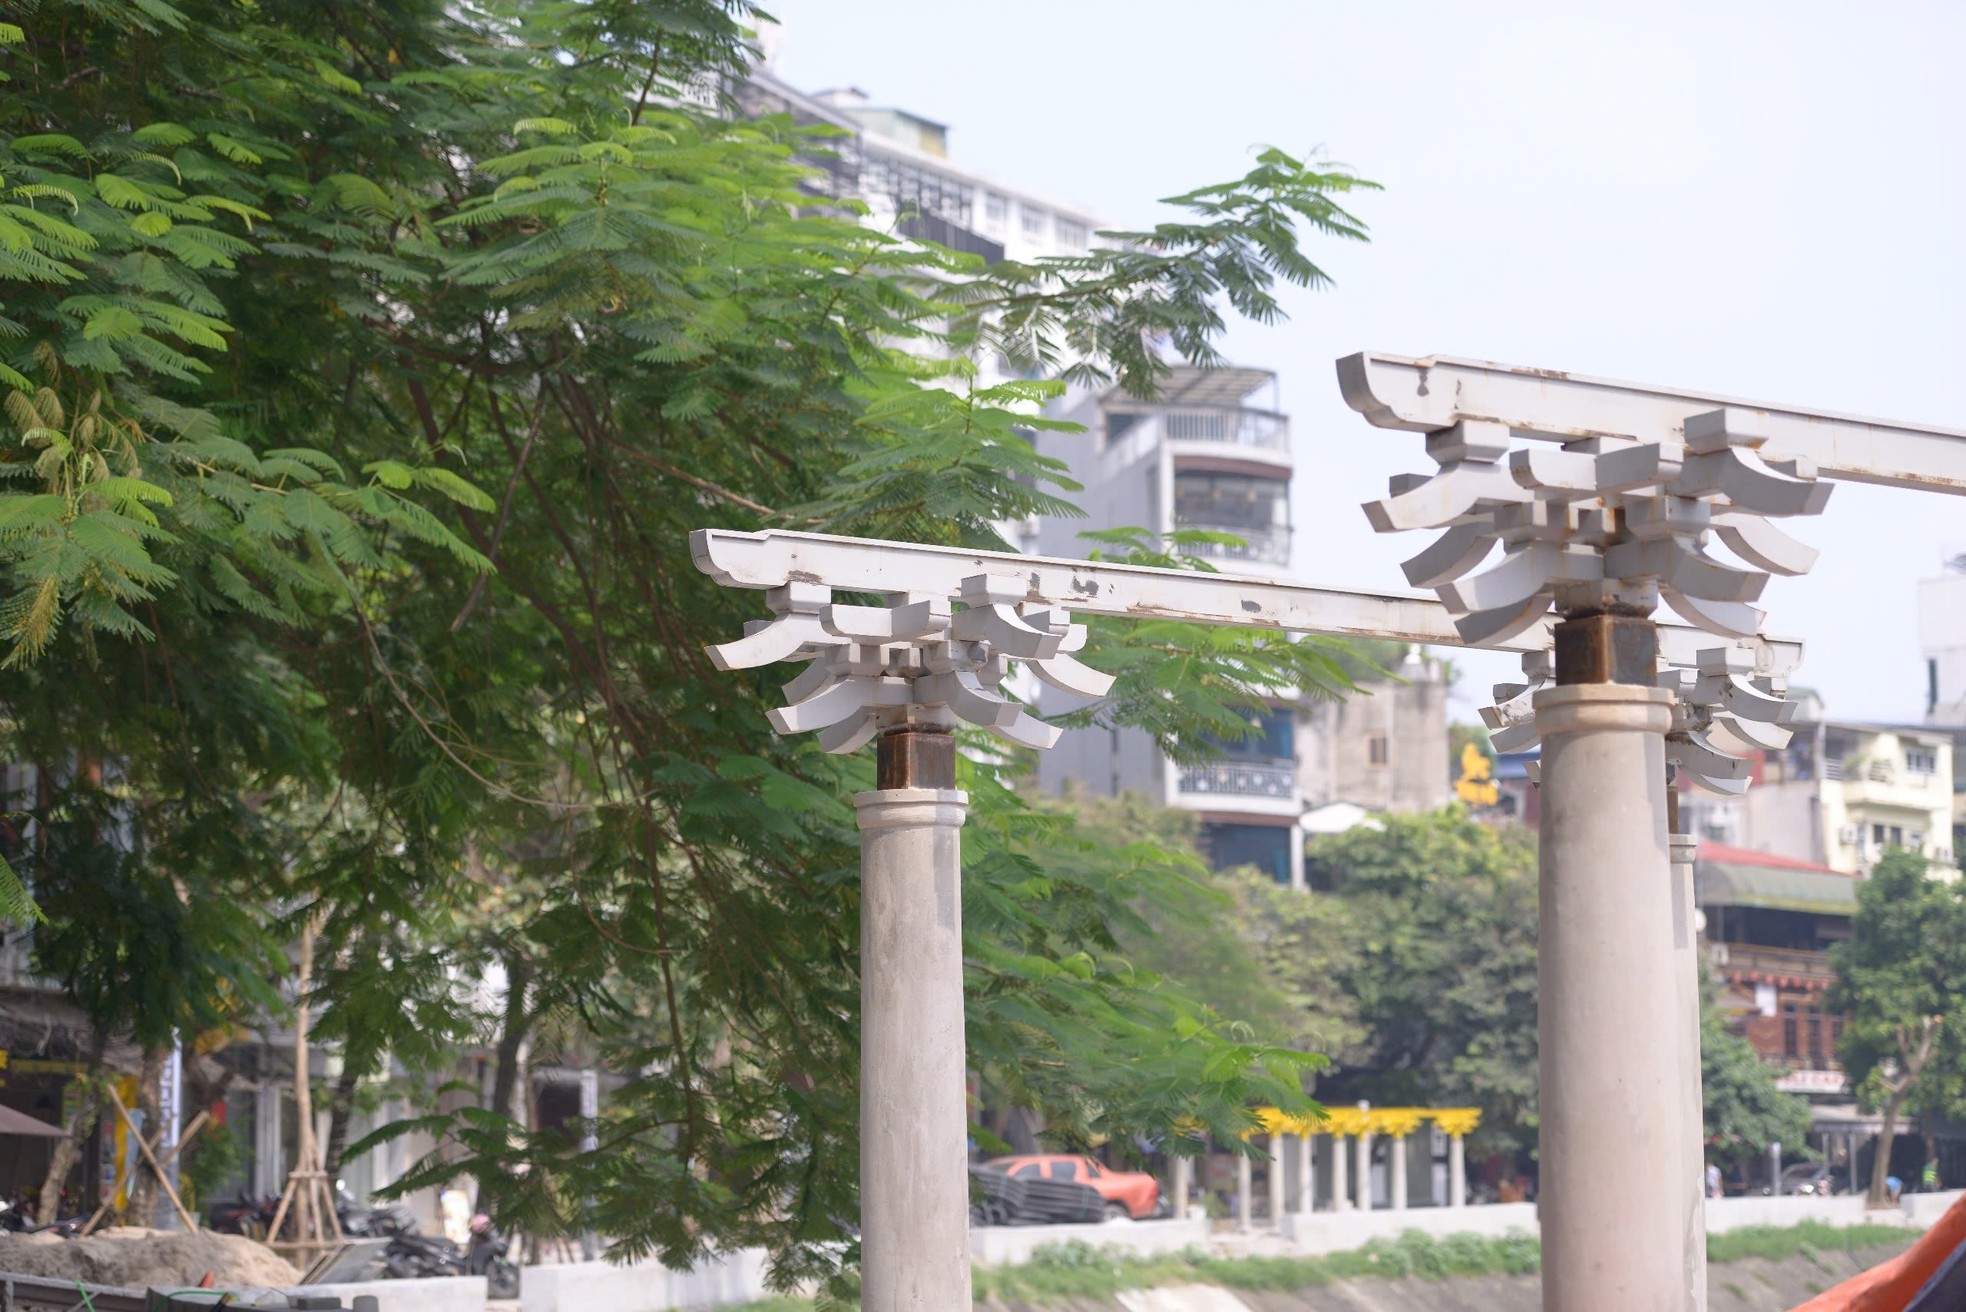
415 1256
242 1215
374 1222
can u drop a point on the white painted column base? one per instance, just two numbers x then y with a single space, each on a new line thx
1615 1214
1306 1176
1457 1171
914 1171
1396 1172
1687 970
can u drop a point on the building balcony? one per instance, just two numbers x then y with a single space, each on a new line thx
1263 546
1269 780
1753 964
1242 429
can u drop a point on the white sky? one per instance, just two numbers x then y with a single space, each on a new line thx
1757 199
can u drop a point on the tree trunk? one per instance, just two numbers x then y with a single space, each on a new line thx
511 1040
340 1110
1880 1166
68 1152
143 1182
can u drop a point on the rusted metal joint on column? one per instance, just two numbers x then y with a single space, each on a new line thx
916 756
1607 646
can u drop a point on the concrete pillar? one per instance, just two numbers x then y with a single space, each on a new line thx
1396 1172
1276 1181
1245 1195
1618 1209
1341 1189
1364 1181
1306 1176
1297 857
1457 1171
1692 1104
914 1124
1183 1174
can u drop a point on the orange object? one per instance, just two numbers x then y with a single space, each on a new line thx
209 1279
1890 1286
1136 1191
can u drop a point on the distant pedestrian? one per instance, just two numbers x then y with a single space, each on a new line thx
1894 1187
1713 1179
1928 1179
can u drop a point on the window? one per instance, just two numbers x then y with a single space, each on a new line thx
1897 836
1877 837
1791 1030
1267 847
1033 221
1092 1169
1233 502
1028 1171
1065 1170
1379 749
995 209
1921 760
1071 235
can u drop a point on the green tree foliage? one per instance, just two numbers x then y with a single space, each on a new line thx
1745 1112
1441 915
371 361
1898 980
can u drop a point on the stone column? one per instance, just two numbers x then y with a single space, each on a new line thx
1306 1176
1457 1171
1276 1181
1616 1212
1364 1182
1341 1189
1692 1102
1396 1172
1183 1173
1245 1195
914 1169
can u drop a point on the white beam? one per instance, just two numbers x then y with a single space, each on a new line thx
773 558
1426 395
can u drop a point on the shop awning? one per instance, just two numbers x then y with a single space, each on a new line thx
25 1126
1736 877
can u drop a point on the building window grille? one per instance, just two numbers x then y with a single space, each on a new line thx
1379 749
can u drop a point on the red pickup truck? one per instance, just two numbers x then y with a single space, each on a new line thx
1131 1194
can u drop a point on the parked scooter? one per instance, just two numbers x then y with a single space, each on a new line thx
414 1257
241 1215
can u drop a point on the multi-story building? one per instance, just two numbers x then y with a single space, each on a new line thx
1841 795
1942 634
1213 452
1769 923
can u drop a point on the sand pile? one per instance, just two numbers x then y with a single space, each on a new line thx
135 1258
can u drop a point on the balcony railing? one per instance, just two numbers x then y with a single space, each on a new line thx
1796 963
1270 545
1276 779
1257 428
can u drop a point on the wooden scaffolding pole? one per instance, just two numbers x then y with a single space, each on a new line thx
308 1200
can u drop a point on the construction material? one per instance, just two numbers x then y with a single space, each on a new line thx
308 1198
135 1257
